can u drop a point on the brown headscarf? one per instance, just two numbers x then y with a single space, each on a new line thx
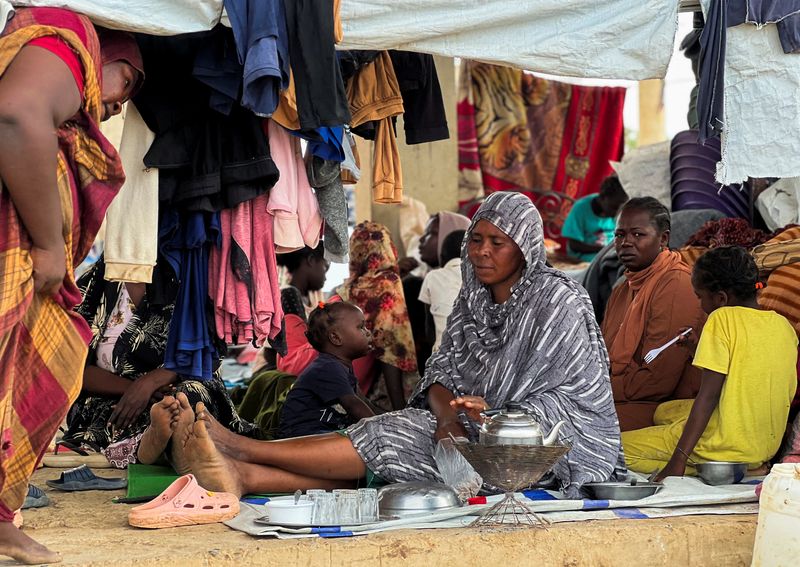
644 283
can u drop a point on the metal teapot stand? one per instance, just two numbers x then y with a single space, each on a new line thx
511 468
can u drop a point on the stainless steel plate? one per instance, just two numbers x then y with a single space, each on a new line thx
622 490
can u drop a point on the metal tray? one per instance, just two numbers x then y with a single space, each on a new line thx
623 490
265 521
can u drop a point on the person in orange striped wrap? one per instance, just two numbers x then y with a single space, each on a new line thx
59 174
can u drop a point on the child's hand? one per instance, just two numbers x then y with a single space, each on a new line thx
675 467
472 406
689 341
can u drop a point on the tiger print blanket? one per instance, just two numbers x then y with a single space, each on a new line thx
550 140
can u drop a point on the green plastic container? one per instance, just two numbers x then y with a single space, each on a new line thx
149 480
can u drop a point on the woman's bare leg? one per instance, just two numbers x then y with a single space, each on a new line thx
329 456
216 471
258 479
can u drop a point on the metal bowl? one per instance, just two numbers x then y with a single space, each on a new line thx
414 498
622 490
721 472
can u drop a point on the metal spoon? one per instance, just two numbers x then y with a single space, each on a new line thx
297 495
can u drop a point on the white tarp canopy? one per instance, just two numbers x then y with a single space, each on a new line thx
612 39
155 17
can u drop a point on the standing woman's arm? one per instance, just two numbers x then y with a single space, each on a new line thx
37 94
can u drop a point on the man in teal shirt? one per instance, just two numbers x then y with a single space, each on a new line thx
591 222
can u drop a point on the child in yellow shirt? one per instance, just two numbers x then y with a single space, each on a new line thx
749 361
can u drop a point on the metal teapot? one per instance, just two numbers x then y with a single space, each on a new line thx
512 425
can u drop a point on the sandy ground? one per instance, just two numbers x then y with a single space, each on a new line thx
88 529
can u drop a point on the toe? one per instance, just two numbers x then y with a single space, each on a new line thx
183 401
199 430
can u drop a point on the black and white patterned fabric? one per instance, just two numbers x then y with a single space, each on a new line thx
542 347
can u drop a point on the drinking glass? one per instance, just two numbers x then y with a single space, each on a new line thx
313 493
346 507
368 505
324 509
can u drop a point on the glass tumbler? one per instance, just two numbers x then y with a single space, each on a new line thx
324 509
368 505
313 493
347 511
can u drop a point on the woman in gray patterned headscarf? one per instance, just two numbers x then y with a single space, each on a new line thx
539 344
519 331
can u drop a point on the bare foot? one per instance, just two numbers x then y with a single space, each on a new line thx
17 545
156 436
213 470
224 439
181 423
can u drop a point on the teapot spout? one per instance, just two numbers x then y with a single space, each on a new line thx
552 437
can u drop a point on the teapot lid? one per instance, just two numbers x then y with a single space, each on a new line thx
514 414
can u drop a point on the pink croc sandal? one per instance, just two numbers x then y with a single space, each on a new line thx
185 503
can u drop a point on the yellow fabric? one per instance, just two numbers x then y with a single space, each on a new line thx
649 449
286 113
757 352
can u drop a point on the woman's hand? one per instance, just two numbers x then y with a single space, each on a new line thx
49 268
140 395
689 341
134 402
472 405
447 428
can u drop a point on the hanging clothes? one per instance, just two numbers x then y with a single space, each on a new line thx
723 14
218 67
321 99
131 241
207 161
243 276
551 140
262 45
286 112
387 172
325 177
185 240
424 118
325 141
351 166
710 91
292 204
761 137
374 96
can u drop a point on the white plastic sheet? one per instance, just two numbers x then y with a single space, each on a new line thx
779 204
761 135
611 39
154 17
